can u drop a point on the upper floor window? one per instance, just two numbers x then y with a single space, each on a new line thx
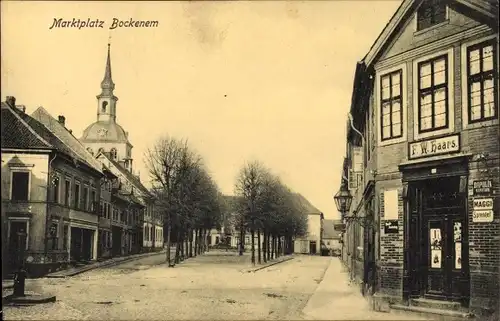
77 196
481 82
20 186
113 153
391 98
55 182
67 192
85 198
430 13
433 94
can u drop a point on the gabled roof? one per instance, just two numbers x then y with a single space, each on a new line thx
71 142
486 10
128 175
329 231
16 133
306 205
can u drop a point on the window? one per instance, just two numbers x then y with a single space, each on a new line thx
100 150
93 201
85 198
481 93
20 186
113 153
55 183
53 233
65 237
67 192
430 13
90 150
77 196
433 94
391 98
104 105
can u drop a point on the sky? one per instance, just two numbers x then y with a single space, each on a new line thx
242 81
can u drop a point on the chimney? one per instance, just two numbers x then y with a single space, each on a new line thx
61 119
11 101
21 108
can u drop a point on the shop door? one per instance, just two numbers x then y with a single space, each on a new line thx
15 243
442 239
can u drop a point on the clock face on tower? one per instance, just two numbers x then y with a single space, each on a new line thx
102 132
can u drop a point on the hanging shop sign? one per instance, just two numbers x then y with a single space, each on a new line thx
391 227
481 187
433 147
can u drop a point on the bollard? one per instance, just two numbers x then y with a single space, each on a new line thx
20 275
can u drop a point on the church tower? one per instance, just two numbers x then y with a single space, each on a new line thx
106 109
106 135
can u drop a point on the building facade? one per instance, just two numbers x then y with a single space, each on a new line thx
134 216
425 122
51 191
311 242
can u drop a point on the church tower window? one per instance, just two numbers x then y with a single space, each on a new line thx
113 153
104 106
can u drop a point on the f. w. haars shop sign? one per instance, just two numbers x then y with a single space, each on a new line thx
433 147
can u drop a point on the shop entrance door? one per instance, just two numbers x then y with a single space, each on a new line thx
441 241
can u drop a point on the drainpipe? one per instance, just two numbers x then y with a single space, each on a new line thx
354 250
47 216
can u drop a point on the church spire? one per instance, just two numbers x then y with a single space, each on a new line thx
106 109
107 84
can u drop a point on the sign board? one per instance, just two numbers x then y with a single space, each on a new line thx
391 227
482 216
391 204
339 227
480 204
433 147
481 187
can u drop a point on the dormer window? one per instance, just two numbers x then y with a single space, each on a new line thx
90 150
113 153
101 150
104 106
430 13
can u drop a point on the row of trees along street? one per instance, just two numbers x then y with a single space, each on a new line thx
187 196
192 205
266 207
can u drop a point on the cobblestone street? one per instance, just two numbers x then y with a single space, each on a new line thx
213 286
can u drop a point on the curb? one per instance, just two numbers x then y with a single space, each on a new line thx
109 264
268 265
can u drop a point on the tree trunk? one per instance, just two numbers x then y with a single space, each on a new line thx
259 247
264 247
195 240
253 246
190 243
279 245
269 246
169 244
242 240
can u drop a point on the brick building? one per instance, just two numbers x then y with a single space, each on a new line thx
424 167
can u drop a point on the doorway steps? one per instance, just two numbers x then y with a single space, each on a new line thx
424 306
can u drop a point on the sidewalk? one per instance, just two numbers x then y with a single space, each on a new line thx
269 263
110 262
335 299
9 283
